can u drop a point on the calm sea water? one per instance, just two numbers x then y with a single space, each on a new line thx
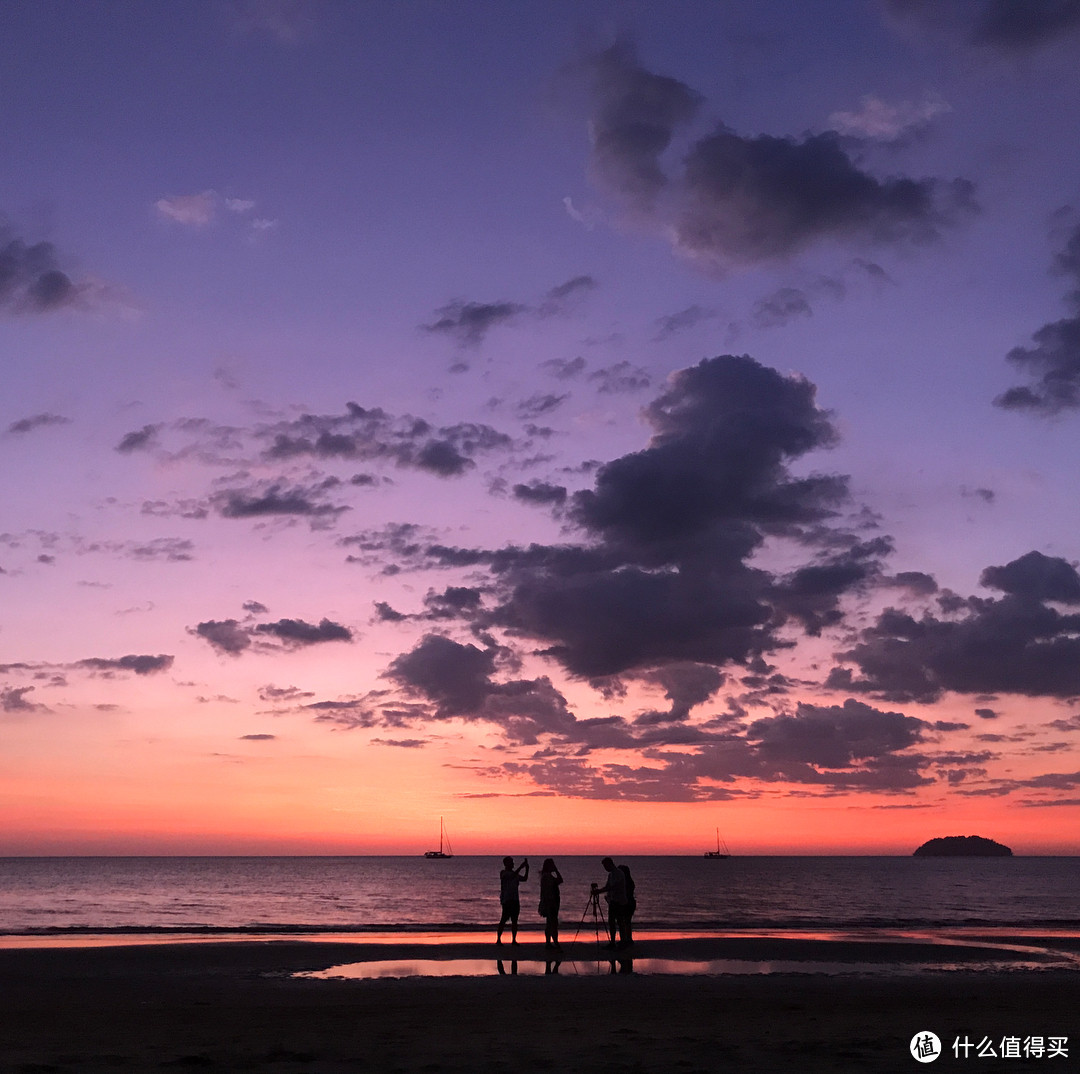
412 893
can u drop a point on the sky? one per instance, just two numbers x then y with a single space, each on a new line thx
594 423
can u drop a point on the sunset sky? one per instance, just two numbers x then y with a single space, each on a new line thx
592 422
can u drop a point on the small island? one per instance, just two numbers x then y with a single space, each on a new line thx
962 846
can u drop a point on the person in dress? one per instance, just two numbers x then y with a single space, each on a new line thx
509 879
550 879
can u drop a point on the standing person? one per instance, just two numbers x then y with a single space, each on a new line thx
550 898
618 903
509 879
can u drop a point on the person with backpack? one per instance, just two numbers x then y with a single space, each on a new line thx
618 900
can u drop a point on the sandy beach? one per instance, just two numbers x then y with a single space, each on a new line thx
236 1006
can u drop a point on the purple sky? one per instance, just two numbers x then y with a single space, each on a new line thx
571 415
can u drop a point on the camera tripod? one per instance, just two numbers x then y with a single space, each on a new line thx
598 916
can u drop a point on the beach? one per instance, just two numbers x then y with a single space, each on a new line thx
238 1006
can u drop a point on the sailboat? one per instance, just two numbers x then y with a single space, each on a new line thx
721 850
443 839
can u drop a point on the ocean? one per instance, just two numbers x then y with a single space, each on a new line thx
368 894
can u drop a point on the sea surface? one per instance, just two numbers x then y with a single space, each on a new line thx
375 894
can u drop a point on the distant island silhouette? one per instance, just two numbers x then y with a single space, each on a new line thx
962 846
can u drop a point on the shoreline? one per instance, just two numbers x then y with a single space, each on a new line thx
238 1006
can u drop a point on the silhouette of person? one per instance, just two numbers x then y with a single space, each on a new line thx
509 879
550 898
618 903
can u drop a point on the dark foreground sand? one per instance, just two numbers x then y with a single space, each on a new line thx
233 1007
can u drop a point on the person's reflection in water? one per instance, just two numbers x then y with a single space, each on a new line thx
623 965
552 966
502 969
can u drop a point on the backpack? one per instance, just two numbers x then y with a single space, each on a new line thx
629 881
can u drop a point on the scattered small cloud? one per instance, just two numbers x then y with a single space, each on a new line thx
879 121
37 421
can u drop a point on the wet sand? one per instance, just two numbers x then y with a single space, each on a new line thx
236 1006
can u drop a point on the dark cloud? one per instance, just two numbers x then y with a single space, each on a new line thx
682 321
470 322
30 278
564 369
541 403
139 439
811 594
834 736
233 637
1037 577
386 614
257 738
1054 360
454 602
664 576
457 680
37 421
686 686
1006 26
744 199
635 116
781 307
559 298
171 549
372 434
13 699
541 493
918 582
279 694
225 635
297 633
749 199
140 665
274 498
620 377
1016 644
455 677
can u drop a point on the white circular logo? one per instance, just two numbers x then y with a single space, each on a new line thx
925 1046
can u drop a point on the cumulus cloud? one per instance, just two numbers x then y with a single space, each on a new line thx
1054 360
1015 644
662 575
742 199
